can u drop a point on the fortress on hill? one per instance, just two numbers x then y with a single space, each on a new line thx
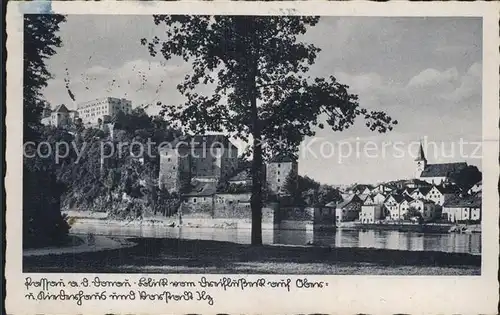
194 167
208 159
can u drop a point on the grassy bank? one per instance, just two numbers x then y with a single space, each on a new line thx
199 256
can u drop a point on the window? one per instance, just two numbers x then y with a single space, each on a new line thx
194 199
278 172
278 180
279 165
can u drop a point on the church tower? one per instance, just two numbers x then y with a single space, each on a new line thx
421 162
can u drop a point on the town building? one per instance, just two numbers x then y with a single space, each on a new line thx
361 189
460 209
416 183
379 198
368 200
370 213
102 109
420 193
383 189
278 170
435 174
439 194
348 210
364 197
404 205
427 209
60 117
392 203
200 200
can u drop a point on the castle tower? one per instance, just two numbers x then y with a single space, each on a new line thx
174 169
421 162
278 170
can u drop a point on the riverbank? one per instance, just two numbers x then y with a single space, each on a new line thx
82 244
438 228
152 255
88 219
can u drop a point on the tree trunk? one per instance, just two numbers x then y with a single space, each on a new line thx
256 200
256 130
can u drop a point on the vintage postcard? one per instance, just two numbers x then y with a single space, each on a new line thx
252 158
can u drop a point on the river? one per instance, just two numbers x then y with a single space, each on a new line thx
449 242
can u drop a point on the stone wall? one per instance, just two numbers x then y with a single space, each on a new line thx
313 215
237 206
197 207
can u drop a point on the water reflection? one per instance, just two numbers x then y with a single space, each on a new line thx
462 243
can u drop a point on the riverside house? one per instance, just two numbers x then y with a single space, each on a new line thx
460 209
370 213
439 194
349 209
427 209
404 205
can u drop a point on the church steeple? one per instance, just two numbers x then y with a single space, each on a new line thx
421 161
420 155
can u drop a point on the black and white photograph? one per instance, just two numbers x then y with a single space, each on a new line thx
186 144
253 144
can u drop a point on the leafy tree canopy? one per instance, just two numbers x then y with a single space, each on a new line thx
40 43
257 68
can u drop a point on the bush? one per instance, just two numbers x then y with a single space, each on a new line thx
43 223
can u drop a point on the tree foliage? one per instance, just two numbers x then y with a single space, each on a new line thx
40 43
305 191
257 68
466 177
43 223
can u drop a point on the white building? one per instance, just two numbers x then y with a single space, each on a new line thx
404 205
100 109
427 209
439 194
459 209
60 117
370 213
379 198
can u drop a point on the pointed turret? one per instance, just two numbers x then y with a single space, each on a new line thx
420 155
421 161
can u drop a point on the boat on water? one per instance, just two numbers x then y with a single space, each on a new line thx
461 229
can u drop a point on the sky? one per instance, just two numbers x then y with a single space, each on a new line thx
424 72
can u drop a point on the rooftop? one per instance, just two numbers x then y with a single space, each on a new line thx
202 189
442 170
61 109
283 158
243 175
463 202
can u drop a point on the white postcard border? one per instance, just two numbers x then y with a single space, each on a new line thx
346 294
